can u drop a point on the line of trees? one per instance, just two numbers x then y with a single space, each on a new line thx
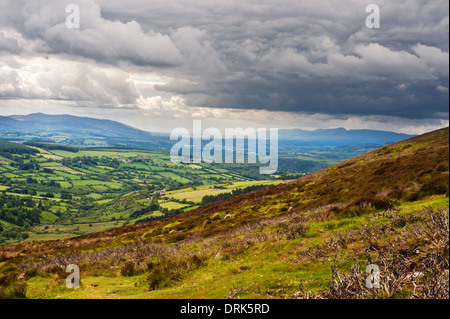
50 146
208 199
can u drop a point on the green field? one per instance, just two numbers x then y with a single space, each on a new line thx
196 195
121 186
106 187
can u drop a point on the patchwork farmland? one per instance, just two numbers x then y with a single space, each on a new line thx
94 189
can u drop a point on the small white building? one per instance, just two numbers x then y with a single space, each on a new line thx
161 192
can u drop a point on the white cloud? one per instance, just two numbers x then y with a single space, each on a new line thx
58 79
436 60
442 89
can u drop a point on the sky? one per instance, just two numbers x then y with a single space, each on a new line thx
160 64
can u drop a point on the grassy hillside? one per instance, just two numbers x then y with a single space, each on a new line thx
15 148
311 238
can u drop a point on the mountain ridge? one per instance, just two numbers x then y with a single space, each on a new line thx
75 130
61 120
70 129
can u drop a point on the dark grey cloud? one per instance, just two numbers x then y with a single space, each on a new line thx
100 39
294 56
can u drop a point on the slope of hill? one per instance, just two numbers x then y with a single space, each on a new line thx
71 129
15 148
311 238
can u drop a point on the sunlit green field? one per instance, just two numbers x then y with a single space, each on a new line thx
196 195
96 189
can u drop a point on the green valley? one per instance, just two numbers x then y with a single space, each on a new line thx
308 238
51 191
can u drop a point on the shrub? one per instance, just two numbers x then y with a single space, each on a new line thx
128 269
356 210
3 257
397 192
8 279
59 271
383 202
294 231
436 185
412 197
443 167
20 290
366 205
10 234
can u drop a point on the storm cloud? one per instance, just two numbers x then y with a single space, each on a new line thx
303 57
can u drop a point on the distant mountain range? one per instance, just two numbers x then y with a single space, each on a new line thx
75 130
69 124
341 136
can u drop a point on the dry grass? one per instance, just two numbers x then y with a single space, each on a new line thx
415 264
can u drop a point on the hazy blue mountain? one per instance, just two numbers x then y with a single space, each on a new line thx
75 130
69 129
40 123
340 136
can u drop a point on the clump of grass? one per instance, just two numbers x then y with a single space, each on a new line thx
8 279
33 272
20 290
367 205
13 291
9 268
59 271
165 273
436 185
292 231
